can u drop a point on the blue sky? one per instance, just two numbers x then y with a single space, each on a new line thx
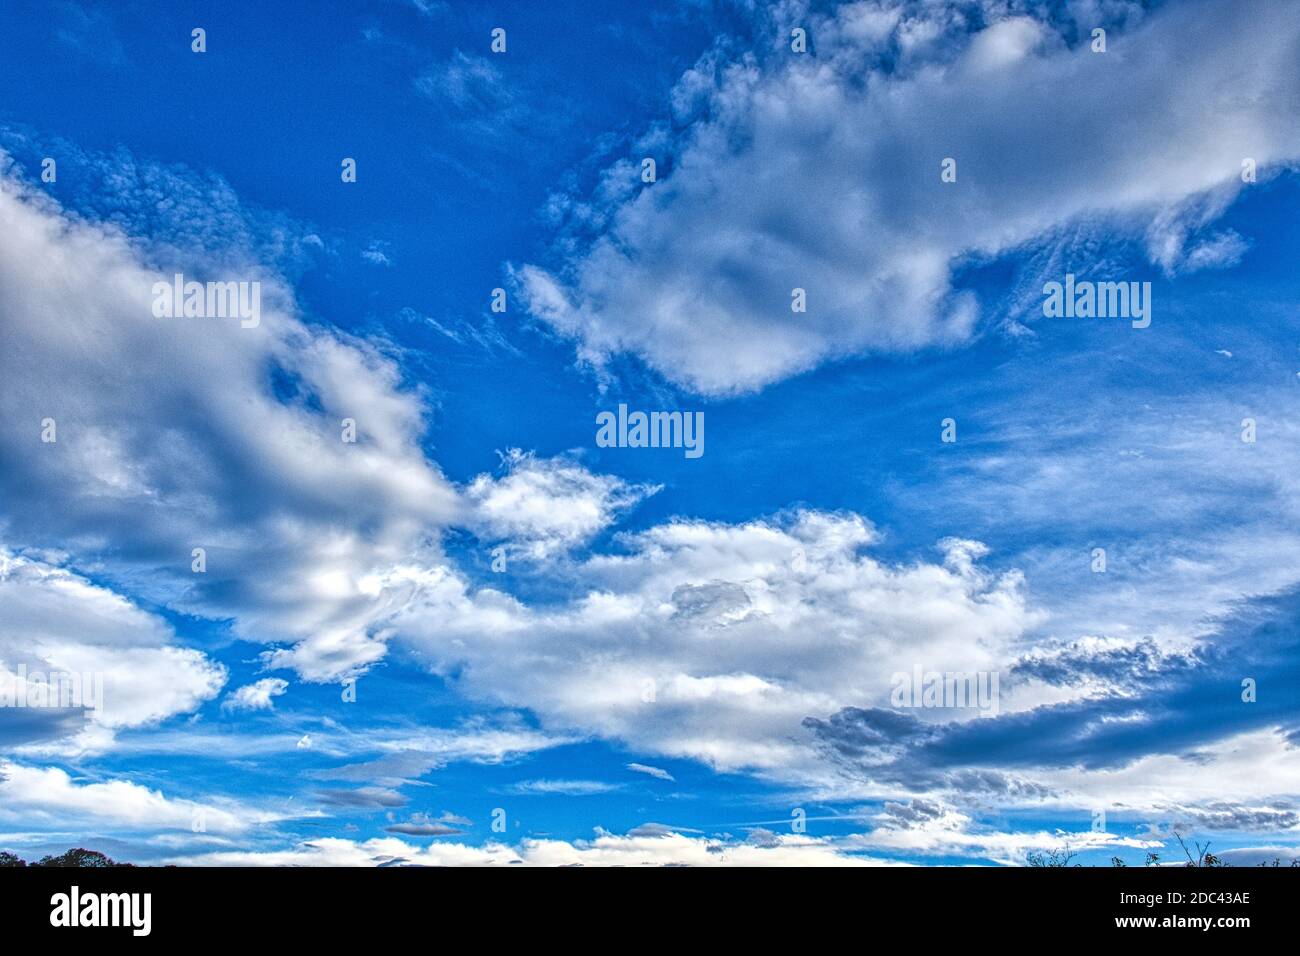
626 654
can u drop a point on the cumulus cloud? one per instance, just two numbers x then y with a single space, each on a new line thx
223 438
259 695
704 640
822 172
715 641
545 506
56 622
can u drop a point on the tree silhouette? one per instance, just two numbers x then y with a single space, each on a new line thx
1203 858
80 857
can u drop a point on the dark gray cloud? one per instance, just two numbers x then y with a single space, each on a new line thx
33 725
911 813
1227 816
855 733
364 798
657 830
423 829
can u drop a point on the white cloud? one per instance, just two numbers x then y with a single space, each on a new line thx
704 640
572 788
375 255
1219 251
57 622
606 850
258 695
1251 768
715 641
545 506
194 448
822 172
657 772
48 797
1003 45
955 834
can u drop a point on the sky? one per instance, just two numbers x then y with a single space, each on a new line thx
354 576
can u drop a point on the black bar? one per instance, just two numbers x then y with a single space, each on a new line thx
946 905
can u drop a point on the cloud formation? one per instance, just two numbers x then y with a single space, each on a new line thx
222 438
58 626
715 641
821 171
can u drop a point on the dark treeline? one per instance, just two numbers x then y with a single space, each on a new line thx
78 857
